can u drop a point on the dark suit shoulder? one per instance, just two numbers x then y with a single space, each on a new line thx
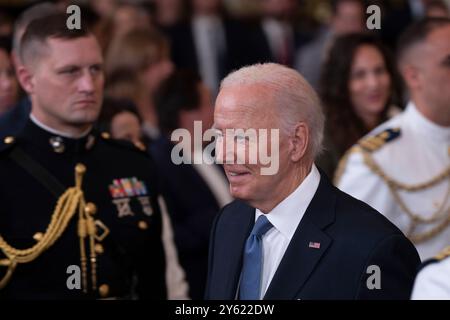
234 208
362 218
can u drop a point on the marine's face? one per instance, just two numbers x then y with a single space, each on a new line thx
249 107
67 83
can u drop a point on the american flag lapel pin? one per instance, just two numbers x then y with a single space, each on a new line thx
314 245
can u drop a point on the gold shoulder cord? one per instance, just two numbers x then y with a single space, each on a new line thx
66 208
442 213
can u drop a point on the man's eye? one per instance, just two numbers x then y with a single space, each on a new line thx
96 69
70 71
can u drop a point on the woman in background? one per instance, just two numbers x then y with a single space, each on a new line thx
360 89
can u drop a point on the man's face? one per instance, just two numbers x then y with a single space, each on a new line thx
434 72
66 83
349 18
250 107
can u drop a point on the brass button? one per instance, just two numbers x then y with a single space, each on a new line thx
106 135
9 140
103 290
38 236
143 225
80 168
90 208
99 248
57 144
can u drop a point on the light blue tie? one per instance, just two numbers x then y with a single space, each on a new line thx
250 285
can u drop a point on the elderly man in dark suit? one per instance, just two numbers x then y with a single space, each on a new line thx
292 234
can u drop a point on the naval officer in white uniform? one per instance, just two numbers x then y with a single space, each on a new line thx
402 168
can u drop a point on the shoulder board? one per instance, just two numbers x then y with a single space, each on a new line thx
443 254
374 143
7 143
137 146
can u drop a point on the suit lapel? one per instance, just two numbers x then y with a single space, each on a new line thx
231 267
302 254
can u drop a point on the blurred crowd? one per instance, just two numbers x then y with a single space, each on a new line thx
164 60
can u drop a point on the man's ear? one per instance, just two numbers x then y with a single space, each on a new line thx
299 142
411 75
26 78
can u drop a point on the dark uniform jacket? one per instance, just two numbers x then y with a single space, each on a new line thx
120 181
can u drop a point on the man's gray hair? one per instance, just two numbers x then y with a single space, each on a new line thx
37 11
297 101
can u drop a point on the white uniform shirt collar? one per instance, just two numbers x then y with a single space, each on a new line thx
286 216
57 132
425 126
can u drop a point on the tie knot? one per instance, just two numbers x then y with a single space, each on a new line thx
262 225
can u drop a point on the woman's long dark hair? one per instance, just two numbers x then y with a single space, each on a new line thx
344 126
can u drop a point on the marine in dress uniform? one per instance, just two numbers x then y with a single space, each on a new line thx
402 169
433 281
89 202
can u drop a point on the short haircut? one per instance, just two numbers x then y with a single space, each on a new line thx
40 30
417 34
179 92
34 12
296 99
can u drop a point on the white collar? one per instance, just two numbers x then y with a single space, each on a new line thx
57 132
286 216
421 124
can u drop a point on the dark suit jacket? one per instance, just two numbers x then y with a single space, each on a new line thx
192 207
352 237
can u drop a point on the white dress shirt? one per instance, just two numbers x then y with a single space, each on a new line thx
57 132
285 218
420 153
